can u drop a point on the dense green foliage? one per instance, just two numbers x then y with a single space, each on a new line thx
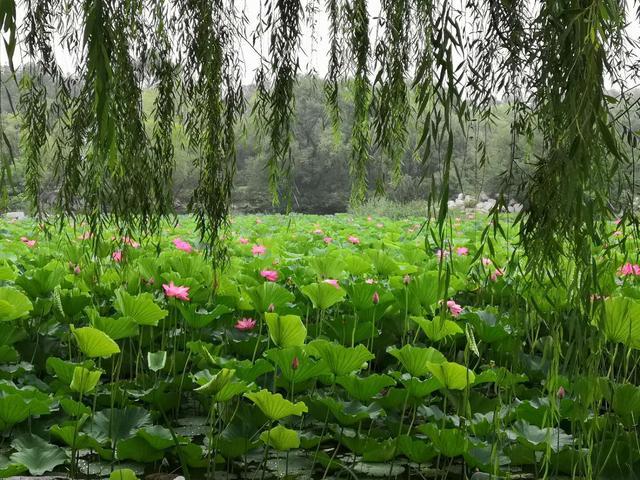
328 346
443 67
320 177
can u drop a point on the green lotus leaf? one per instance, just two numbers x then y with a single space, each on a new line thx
281 438
626 400
9 469
383 263
274 406
327 266
73 408
156 360
620 321
13 304
452 375
158 437
417 388
438 328
84 381
118 423
341 360
13 409
229 391
41 459
232 442
123 474
425 289
450 442
345 413
267 294
197 317
361 295
137 449
140 308
307 367
71 436
286 330
540 438
40 282
64 370
323 295
94 343
74 301
116 328
416 450
8 354
356 264
217 382
487 327
415 359
365 388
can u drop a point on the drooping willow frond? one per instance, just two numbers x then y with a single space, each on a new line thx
550 65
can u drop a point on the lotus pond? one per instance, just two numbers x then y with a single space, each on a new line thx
327 347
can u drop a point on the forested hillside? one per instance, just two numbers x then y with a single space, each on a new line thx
321 181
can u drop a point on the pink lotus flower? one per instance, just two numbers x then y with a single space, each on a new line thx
618 221
317 231
442 254
182 245
331 281
353 239
27 242
117 256
486 261
462 251
245 324
375 298
269 275
85 236
560 393
629 269
258 249
131 242
171 290
77 270
617 233
454 308
243 240
370 281
497 273
327 240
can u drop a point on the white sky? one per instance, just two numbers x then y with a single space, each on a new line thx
313 55
314 42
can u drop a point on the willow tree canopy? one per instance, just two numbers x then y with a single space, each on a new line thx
555 62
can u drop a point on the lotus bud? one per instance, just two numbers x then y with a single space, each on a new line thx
375 298
271 308
295 363
406 279
561 393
